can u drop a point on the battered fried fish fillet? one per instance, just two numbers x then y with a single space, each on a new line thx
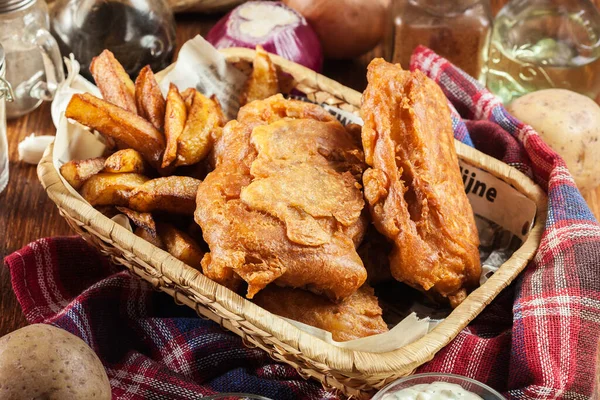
355 317
414 188
283 202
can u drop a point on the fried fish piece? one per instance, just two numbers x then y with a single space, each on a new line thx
262 82
355 317
126 128
414 188
282 203
113 81
149 101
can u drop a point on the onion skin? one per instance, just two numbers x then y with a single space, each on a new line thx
346 28
299 44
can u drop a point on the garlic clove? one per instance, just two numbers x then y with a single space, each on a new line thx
31 149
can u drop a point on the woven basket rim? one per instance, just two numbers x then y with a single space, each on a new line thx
267 325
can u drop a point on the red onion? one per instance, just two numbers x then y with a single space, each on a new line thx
274 26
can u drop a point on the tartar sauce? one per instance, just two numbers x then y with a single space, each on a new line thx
433 391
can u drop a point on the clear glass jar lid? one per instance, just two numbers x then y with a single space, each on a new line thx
7 6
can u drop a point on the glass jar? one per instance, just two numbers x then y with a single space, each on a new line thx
33 64
458 30
6 94
542 44
138 32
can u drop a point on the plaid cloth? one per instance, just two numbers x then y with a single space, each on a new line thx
537 340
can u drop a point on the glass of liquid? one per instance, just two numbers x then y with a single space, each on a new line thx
542 44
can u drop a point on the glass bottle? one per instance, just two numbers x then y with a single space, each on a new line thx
34 66
458 30
541 44
6 94
138 32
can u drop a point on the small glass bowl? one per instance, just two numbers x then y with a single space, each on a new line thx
478 388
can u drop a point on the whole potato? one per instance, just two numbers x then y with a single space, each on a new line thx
570 123
43 362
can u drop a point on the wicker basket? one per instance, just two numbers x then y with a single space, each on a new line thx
354 373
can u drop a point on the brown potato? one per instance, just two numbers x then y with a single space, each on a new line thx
76 172
112 80
172 194
150 237
148 98
180 245
262 82
139 219
203 125
126 128
188 97
126 160
110 189
175 118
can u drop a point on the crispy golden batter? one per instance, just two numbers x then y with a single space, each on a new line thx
282 203
353 318
414 189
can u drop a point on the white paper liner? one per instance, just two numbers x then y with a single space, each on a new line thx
201 66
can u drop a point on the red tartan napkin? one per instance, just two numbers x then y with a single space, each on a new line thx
537 340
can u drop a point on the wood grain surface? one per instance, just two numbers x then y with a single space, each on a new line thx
26 213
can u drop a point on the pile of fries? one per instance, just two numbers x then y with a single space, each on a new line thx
157 150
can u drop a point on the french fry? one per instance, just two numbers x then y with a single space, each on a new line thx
262 82
180 245
110 189
171 194
76 172
126 160
112 80
126 128
150 237
188 97
203 125
148 98
142 220
175 118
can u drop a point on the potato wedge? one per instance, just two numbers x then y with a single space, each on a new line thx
114 83
203 125
175 118
76 172
142 220
148 98
110 189
126 128
172 194
262 82
188 97
180 245
126 160
150 237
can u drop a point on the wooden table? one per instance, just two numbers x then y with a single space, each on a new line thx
26 213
